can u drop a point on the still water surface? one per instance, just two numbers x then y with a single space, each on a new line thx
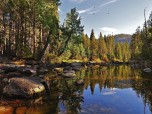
106 90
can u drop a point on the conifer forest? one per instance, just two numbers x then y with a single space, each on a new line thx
49 66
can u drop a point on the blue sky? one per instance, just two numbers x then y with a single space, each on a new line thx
108 16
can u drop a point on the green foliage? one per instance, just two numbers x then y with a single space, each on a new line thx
27 52
141 43
27 22
66 55
71 30
136 44
35 30
73 22
52 58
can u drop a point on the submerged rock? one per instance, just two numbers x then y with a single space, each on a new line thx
76 68
67 68
79 82
10 68
68 75
27 71
58 70
74 64
147 70
69 71
5 80
41 76
13 74
43 71
23 88
2 71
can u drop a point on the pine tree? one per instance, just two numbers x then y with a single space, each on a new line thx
118 51
110 46
86 44
71 29
102 48
93 46
136 44
126 52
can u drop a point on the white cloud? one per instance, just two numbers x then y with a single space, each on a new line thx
108 29
107 3
93 9
78 1
109 93
85 10
98 8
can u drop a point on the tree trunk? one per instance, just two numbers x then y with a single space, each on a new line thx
66 43
41 54
33 30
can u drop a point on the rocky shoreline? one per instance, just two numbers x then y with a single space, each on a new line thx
28 80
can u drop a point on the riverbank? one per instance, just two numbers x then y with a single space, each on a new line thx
101 86
13 72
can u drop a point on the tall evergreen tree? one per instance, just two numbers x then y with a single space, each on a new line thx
102 48
126 52
86 44
136 44
110 46
118 51
93 46
72 29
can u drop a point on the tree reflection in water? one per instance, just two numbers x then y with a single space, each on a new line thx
67 97
71 96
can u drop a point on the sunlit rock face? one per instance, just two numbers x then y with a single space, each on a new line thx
23 88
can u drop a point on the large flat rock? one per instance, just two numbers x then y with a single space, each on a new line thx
23 88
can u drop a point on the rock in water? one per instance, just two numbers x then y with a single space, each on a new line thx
43 71
28 71
147 70
58 70
68 75
69 71
23 88
79 82
10 68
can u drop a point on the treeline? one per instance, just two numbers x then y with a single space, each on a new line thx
141 43
26 26
104 48
31 29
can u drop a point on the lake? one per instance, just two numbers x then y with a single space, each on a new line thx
106 90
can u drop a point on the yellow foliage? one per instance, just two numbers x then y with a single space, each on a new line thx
71 61
20 62
105 58
97 60
85 59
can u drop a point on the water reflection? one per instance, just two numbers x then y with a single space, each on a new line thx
112 90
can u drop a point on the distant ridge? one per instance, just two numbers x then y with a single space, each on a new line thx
122 38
